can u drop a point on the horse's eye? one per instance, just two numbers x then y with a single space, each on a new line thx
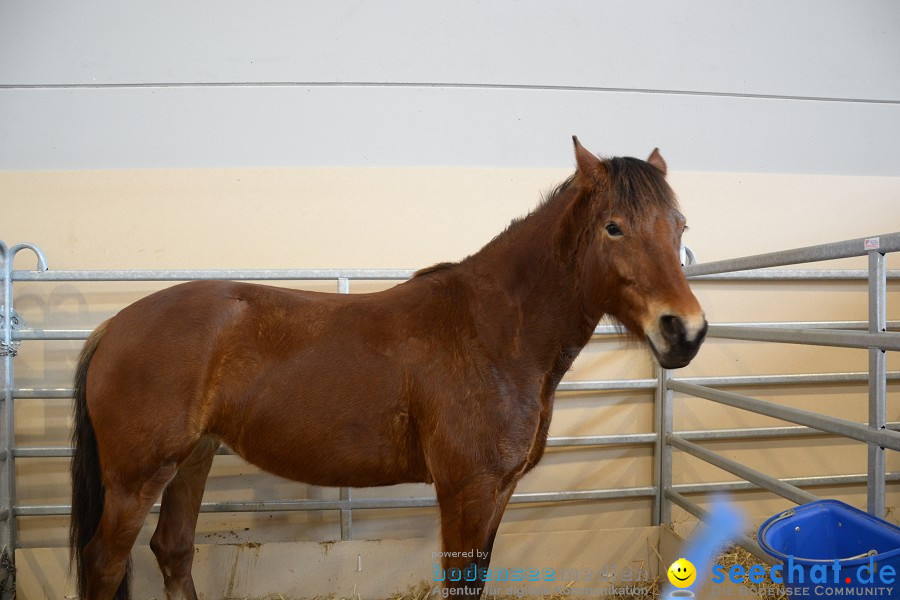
613 230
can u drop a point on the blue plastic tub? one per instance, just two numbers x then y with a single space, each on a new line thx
816 535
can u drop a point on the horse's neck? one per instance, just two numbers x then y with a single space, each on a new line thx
528 273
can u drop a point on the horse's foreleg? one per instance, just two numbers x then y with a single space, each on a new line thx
470 517
502 501
173 540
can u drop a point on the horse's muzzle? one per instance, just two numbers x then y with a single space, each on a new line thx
677 342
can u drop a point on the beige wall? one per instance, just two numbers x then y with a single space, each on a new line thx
408 218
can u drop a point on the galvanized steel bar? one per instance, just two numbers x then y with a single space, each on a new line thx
583 495
704 515
368 503
662 467
52 334
884 437
609 330
82 334
206 274
616 384
7 471
44 452
800 482
43 393
789 379
258 506
758 432
791 492
842 339
853 325
343 287
346 493
792 275
889 242
400 274
619 439
875 487
601 330
606 385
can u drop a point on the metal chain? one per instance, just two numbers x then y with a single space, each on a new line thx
8 575
16 322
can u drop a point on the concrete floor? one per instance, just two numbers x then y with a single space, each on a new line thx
595 561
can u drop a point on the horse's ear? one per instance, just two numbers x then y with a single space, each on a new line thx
588 164
657 161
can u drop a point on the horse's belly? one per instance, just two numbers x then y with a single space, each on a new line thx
326 465
338 448
370 478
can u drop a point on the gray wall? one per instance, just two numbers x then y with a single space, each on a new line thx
811 86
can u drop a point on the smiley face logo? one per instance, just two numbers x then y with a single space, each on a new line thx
682 573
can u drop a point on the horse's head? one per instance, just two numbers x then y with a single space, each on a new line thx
630 266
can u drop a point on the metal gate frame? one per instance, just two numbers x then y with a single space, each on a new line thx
878 433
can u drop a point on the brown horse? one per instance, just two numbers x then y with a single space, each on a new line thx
447 378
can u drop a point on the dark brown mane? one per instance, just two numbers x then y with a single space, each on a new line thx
558 189
513 226
441 266
638 186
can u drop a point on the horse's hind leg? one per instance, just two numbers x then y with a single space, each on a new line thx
124 510
173 540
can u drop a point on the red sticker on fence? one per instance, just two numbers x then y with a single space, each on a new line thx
872 243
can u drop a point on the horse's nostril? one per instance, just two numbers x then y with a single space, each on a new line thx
672 329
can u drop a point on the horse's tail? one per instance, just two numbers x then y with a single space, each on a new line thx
87 481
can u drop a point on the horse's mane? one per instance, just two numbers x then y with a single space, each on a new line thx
546 199
636 187
441 266
557 190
